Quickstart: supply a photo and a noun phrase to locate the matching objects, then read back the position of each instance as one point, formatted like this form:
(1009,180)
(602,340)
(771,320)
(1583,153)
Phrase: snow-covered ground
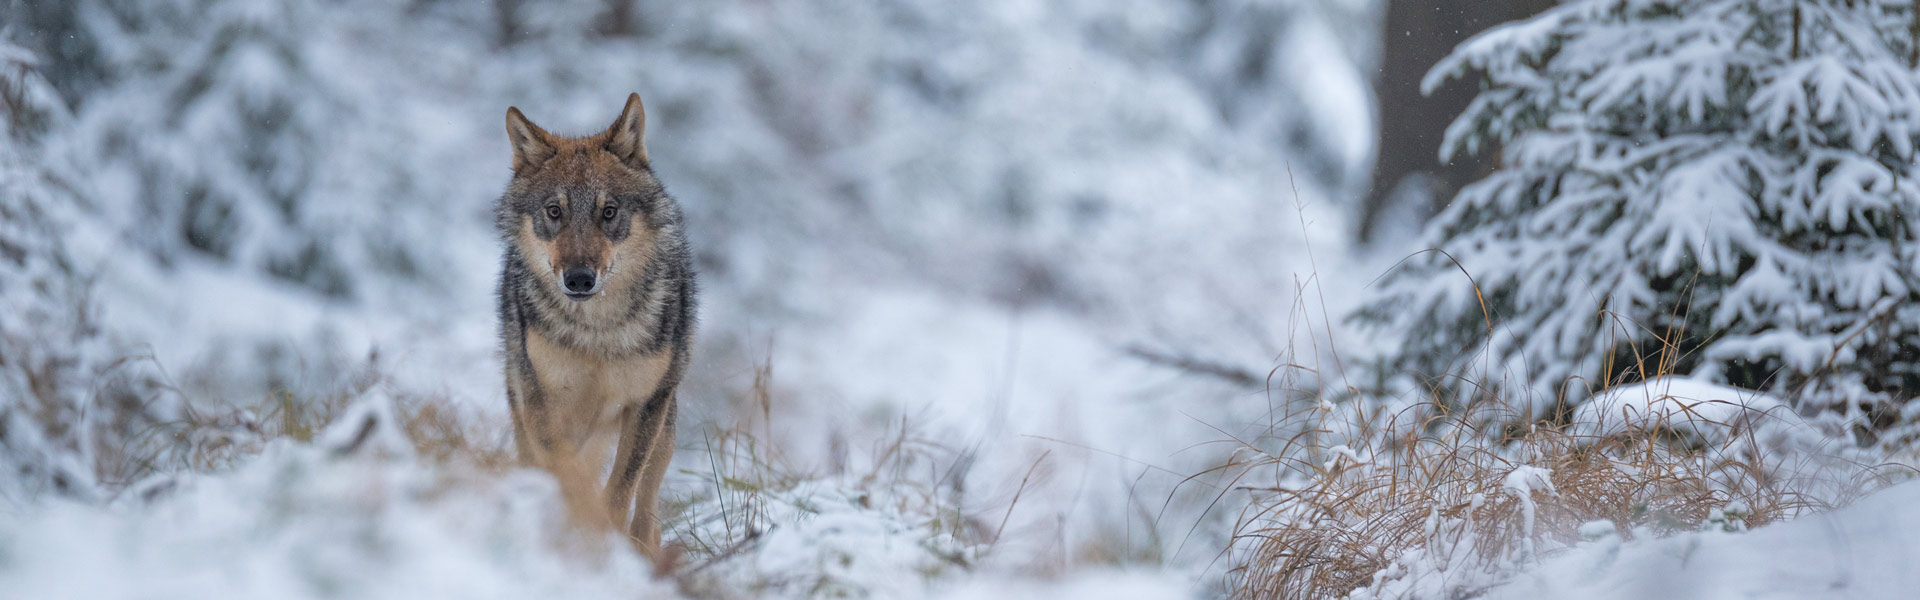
(371,520)
(1863,551)
(297,522)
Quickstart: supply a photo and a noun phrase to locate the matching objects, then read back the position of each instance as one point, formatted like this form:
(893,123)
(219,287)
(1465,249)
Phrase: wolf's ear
(627,138)
(531,144)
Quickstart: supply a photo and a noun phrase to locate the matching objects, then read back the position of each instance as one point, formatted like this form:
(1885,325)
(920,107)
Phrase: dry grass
(443,432)
(1356,510)
(203,439)
(436,430)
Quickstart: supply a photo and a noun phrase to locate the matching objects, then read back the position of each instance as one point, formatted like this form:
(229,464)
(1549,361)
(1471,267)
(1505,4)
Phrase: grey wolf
(596,303)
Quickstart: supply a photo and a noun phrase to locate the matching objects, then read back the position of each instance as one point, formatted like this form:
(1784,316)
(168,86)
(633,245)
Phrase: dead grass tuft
(443,432)
(209,439)
(1353,512)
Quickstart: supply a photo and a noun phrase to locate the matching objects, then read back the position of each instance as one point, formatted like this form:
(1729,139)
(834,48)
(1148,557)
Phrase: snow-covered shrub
(1721,188)
(74,410)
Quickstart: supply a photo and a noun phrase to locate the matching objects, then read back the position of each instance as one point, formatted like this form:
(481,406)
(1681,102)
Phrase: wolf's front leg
(523,448)
(646,447)
(646,507)
(626,468)
(526,401)
(639,432)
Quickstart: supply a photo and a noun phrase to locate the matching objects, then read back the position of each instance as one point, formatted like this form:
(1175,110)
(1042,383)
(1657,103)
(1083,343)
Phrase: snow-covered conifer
(1722,188)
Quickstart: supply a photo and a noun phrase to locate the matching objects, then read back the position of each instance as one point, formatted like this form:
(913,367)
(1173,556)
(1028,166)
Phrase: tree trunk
(1412,126)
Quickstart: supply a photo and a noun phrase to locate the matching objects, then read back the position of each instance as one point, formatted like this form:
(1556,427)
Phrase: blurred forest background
(999,287)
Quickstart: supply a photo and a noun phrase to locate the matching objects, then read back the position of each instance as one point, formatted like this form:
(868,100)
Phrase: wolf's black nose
(578,281)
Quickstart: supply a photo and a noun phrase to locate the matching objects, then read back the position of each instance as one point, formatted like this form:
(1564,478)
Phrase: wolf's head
(586,213)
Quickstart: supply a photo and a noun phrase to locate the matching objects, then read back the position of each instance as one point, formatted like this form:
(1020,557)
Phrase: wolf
(596,303)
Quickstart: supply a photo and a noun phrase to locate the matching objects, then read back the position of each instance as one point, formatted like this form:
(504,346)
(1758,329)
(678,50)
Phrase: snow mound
(1863,551)
(303,521)
(1113,584)
(1708,412)
(826,538)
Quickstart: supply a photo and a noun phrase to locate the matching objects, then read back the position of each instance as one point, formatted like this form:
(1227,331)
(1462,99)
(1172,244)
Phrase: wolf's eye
(553,211)
(608,213)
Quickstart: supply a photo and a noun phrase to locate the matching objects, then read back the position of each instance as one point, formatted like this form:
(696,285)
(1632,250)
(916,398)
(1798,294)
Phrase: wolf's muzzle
(580,284)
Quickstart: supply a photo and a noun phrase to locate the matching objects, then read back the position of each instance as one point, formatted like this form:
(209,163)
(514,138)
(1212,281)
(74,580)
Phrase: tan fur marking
(539,252)
(584,392)
(632,257)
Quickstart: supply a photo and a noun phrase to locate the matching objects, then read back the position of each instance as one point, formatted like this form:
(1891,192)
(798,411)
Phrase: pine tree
(1719,188)
(234,139)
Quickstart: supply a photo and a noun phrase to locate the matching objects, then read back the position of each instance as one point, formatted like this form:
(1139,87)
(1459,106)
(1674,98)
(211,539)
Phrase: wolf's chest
(584,390)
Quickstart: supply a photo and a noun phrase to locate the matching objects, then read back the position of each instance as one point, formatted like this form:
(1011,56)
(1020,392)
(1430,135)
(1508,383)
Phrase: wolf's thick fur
(596,308)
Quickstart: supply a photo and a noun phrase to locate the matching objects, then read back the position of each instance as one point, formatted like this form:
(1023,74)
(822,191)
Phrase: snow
(298,522)
(1710,412)
(1089,583)
(1859,552)
(1521,484)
